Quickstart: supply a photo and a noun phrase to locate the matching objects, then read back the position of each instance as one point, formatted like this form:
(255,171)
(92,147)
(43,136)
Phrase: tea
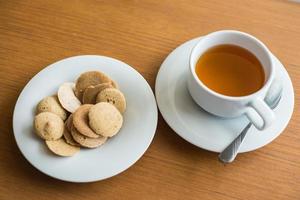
(230,70)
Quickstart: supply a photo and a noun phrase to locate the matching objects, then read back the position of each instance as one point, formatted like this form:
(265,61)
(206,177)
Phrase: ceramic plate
(119,152)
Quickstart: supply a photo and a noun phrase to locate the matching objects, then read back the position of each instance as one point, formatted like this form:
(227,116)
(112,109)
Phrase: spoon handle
(229,154)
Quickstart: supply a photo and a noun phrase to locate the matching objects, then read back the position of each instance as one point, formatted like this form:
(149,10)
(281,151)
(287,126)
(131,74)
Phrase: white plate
(202,129)
(119,152)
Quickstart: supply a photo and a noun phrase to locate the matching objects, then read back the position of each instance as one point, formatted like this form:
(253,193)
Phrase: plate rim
(51,65)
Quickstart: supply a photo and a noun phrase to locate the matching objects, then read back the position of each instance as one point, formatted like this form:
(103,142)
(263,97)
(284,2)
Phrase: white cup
(253,105)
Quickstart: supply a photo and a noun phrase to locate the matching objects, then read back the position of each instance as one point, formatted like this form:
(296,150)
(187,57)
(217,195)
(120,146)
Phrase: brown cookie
(51,104)
(81,121)
(91,92)
(69,122)
(86,141)
(90,78)
(61,148)
(48,126)
(67,98)
(105,119)
(114,97)
(114,84)
(67,132)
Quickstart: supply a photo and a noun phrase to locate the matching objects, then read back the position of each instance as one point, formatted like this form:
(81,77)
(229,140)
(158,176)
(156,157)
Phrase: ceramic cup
(253,105)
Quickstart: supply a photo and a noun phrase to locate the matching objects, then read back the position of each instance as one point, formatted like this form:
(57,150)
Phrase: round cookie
(81,121)
(91,92)
(67,132)
(48,126)
(105,119)
(61,148)
(89,78)
(51,104)
(67,98)
(86,141)
(114,97)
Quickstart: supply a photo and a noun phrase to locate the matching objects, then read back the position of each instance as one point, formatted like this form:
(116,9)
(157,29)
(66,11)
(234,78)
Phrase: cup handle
(263,116)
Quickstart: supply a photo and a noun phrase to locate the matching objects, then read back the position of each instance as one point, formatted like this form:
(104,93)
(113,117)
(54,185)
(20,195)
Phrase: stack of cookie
(84,114)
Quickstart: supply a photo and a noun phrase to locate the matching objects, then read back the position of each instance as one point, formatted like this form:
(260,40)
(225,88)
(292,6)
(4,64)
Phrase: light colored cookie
(48,126)
(114,97)
(86,141)
(69,139)
(61,148)
(67,98)
(91,92)
(67,132)
(81,121)
(105,119)
(51,104)
(89,78)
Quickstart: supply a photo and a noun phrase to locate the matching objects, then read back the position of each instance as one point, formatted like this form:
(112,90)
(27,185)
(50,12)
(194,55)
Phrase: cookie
(91,92)
(105,119)
(89,78)
(81,121)
(114,97)
(48,126)
(69,122)
(114,84)
(51,104)
(67,132)
(86,141)
(67,98)
(61,148)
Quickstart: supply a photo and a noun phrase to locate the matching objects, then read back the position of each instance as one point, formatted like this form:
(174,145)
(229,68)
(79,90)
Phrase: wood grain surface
(34,34)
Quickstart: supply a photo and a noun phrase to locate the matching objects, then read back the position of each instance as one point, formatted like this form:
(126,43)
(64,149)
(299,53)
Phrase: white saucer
(115,156)
(202,129)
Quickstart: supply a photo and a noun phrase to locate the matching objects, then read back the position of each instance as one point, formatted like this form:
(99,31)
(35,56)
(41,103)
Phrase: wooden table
(34,34)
